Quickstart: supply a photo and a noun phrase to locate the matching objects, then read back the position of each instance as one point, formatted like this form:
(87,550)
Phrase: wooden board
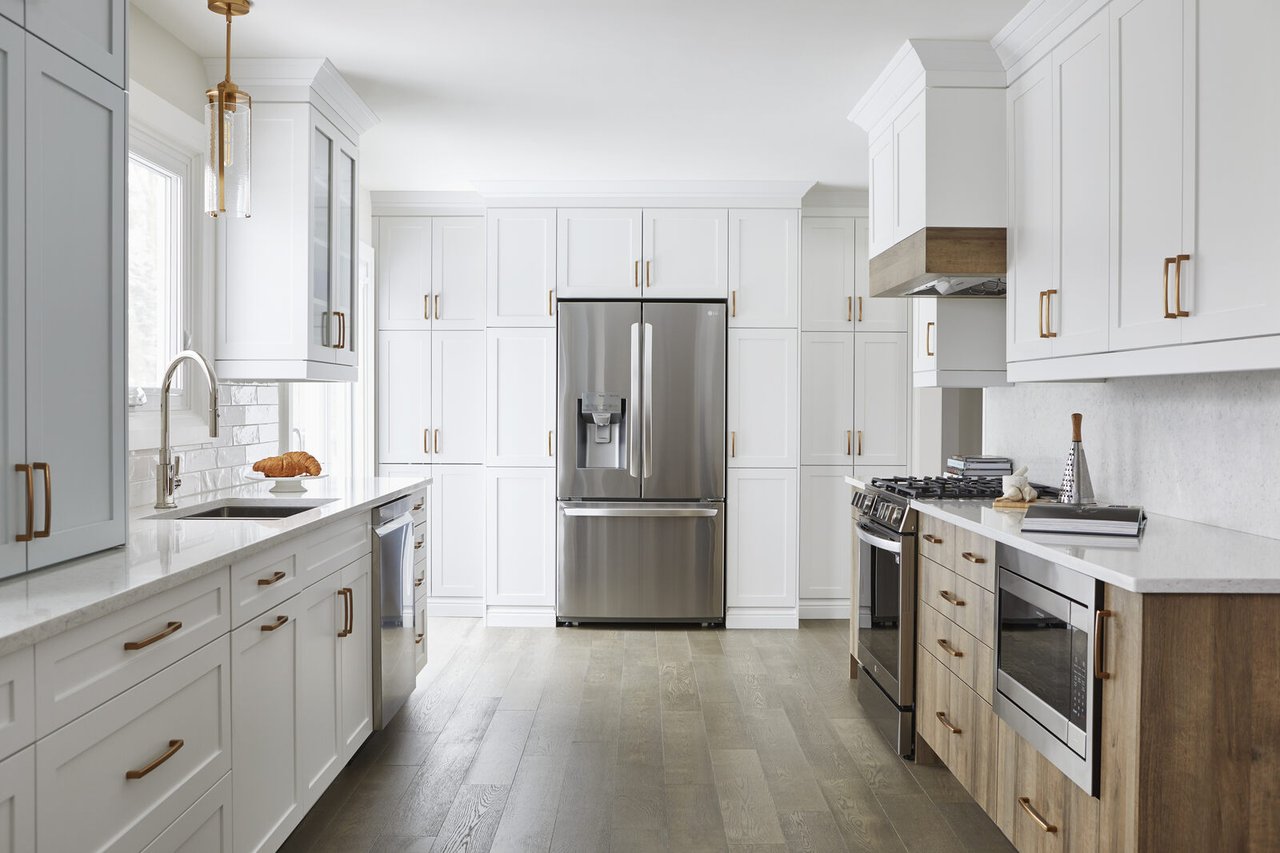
(1019,506)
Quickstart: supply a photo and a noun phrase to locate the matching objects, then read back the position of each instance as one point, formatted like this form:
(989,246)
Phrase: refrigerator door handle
(640,512)
(647,433)
(633,442)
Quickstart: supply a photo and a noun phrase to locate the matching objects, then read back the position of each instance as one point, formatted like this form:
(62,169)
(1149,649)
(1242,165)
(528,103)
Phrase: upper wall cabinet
(92,32)
(13,297)
(522,267)
(836,294)
(404,273)
(764,268)
(598,253)
(457,271)
(685,254)
(958,343)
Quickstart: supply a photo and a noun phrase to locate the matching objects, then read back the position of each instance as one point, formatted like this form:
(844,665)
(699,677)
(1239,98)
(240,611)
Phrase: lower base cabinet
(521,552)
(761,531)
(420,634)
(18,802)
(457,540)
(355,650)
(203,828)
(824,559)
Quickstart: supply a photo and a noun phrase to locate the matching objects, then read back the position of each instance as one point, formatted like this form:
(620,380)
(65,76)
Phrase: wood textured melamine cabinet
(404,397)
(18,802)
(93,32)
(521,530)
(521,397)
(824,536)
(522,267)
(458,272)
(686,254)
(827,398)
(355,653)
(761,508)
(598,253)
(881,424)
(405,286)
(457,532)
(13,296)
(764,268)
(764,398)
(458,397)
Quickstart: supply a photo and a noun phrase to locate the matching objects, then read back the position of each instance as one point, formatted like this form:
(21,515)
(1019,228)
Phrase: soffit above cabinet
(710,194)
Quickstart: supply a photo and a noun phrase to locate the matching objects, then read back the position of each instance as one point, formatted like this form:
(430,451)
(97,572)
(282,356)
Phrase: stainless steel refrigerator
(641,461)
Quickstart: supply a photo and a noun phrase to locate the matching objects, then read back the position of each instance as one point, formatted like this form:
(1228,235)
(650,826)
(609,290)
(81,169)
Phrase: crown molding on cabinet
(298,81)
(426,203)
(1037,28)
(739,194)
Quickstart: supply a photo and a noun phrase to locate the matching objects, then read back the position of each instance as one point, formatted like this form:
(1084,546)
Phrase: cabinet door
(13,10)
(761,511)
(404,397)
(419,635)
(686,254)
(824,533)
(870,313)
(1078,313)
(880,194)
(830,273)
(764,375)
(75,188)
(909,170)
(880,416)
(457,397)
(13,374)
(457,531)
(826,398)
(522,394)
(92,32)
(203,828)
(522,267)
(598,253)
(1154,129)
(764,268)
(521,555)
(322,323)
(18,802)
(1031,219)
(265,799)
(355,650)
(321,616)
(924,334)
(404,272)
(346,255)
(457,268)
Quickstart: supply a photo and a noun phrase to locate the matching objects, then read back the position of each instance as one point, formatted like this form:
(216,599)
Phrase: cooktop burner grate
(950,488)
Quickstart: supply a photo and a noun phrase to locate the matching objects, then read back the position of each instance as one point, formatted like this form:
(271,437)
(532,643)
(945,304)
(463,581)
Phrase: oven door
(887,629)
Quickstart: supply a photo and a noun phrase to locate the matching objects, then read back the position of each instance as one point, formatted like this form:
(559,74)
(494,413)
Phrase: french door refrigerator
(641,461)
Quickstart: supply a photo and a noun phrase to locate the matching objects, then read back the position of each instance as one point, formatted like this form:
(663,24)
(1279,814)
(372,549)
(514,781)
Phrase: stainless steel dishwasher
(394,675)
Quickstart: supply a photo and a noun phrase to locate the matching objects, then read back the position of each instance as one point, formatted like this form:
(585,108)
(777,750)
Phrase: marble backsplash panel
(1204,448)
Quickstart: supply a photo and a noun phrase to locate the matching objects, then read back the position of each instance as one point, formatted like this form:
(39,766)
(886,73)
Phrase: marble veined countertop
(1171,556)
(161,554)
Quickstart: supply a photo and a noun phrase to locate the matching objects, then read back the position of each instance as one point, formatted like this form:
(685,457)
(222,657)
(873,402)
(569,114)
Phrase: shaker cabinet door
(824,533)
(457,269)
(881,425)
(92,32)
(764,399)
(522,267)
(830,273)
(522,397)
(764,268)
(598,253)
(13,294)
(404,273)
(521,529)
(457,532)
(404,397)
(1031,218)
(826,398)
(761,549)
(458,397)
(686,254)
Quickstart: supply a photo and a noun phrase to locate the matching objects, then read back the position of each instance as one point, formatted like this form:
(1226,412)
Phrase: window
(157,325)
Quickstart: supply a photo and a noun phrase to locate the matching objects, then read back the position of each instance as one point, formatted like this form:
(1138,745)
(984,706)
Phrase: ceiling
(598,89)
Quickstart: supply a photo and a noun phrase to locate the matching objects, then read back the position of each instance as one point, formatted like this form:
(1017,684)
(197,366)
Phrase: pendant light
(226,173)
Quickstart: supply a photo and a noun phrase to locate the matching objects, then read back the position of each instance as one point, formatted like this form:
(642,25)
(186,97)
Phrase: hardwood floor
(607,739)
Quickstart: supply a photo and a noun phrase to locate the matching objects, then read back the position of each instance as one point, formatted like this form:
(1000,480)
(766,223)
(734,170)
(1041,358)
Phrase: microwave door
(1036,648)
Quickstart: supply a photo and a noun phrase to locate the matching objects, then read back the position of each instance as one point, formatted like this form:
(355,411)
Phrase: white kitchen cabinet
(880,192)
(13,374)
(320,617)
(829,274)
(75,300)
(958,343)
(865,473)
(457,537)
(761,547)
(924,334)
(13,10)
(826,398)
(909,169)
(457,271)
(404,273)
(764,268)
(404,397)
(685,253)
(598,253)
(420,635)
(522,397)
(764,399)
(93,32)
(355,651)
(203,828)
(521,530)
(458,397)
(18,802)
(18,714)
(872,314)
(522,267)
(824,534)
(1030,236)
(881,414)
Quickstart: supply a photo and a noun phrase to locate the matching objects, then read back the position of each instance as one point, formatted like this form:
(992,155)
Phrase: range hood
(942,262)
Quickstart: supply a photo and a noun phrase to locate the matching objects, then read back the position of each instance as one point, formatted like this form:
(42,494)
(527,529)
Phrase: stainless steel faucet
(167,480)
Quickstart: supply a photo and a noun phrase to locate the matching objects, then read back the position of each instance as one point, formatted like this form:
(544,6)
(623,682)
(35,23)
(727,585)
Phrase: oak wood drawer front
(17,701)
(978,615)
(937,541)
(975,558)
(331,548)
(932,627)
(203,828)
(932,692)
(938,588)
(1039,802)
(172,732)
(974,663)
(18,802)
(973,747)
(78,670)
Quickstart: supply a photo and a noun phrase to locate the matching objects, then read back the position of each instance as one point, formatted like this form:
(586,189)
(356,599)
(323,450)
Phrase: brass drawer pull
(1168,315)
(1177,286)
(637,273)
(1025,802)
(31,504)
(174,746)
(1098,671)
(346,595)
(417,582)
(426,306)
(437,306)
(928,337)
(435,441)
(279,623)
(45,531)
(648,273)
(1040,311)
(942,718)
(1048,314)
(848,442)
(859,309)
(859,442)
(418,641)
(950,649)
(426,440)
(134,645)
(551,311)
(275,578)
(419,505)
(419,542)
(950,597)
(932,540)
(549,454)
(849,310)
(734,300)
(973,558)
(733,444)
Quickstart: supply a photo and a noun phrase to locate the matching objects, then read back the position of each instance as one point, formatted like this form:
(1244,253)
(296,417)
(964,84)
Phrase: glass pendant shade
(227,165)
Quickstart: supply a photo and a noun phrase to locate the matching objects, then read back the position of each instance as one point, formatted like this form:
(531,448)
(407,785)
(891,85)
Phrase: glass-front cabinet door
(345,250)
(322,327)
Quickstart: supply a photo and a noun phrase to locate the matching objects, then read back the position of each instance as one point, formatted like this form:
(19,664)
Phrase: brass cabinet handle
(435,441)
(417,582)
(418,641)
(648,273)
(174,745)
(437,306)
(426,306)
(1168,315)
(928,331)
(419,542)
(950,597)
(734,299)
(549,442)
(859,309)
(1040,313)
(45,531)
(134,645)
(973,558)
(342,330)
(848,442)
(932,540)
(942,718)
(733,444)
(551,310)
(859,442)
(1098,671)
(637,276)
(31,504)
(950,649)
(276,577)
(1048,314)
(419,505)
(848,310)
(1025,802)
(345,594)
(1177,286)
(280,620)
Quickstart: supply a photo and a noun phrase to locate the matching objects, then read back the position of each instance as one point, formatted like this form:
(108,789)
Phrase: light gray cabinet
(13,374)
(92,32)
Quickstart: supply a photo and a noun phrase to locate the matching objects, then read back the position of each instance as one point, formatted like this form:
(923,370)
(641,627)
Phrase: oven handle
(879,541)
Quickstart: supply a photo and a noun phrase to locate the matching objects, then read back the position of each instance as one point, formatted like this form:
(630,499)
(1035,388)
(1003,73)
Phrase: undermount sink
(241,509)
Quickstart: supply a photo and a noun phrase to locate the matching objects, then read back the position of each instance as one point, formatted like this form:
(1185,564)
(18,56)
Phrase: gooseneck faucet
(167,480)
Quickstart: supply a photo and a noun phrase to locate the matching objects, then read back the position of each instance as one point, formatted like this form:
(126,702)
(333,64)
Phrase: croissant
(295,463)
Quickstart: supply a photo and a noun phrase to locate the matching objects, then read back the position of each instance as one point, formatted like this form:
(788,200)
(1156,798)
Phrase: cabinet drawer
(78,670)
(18,802)
(421,508)
(420,634)
(938,588)
(17,701)
(973,745)
(937,541)
(933,685)
(975,558)
(978,613)
(174,729)
(974,662)
(931,627)
(203,828)
(333,547)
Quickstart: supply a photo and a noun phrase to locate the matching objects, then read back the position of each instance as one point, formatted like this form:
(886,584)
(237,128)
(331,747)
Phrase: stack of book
(1086,520)
(979,466)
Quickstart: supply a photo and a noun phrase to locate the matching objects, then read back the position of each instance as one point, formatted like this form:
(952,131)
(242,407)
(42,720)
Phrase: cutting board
(1017,506)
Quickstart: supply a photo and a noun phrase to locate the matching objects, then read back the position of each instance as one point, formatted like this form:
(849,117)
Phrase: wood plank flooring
(611,740)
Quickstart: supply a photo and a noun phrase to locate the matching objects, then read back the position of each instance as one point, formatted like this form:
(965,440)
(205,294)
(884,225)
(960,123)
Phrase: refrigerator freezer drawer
(645,562)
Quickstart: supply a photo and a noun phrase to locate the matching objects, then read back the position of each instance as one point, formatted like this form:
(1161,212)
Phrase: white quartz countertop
(161,554)
(1171,556)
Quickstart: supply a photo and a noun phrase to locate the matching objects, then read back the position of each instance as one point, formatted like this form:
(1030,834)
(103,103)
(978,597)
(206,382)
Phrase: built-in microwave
(1047,661)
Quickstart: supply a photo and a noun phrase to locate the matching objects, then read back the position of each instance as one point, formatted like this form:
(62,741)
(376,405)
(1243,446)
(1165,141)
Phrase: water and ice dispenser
(602,430)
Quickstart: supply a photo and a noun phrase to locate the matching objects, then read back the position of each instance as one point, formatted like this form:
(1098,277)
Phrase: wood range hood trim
(932,253)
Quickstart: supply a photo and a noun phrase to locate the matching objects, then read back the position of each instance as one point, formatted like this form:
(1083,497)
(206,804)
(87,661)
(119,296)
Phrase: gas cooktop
(950,488)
